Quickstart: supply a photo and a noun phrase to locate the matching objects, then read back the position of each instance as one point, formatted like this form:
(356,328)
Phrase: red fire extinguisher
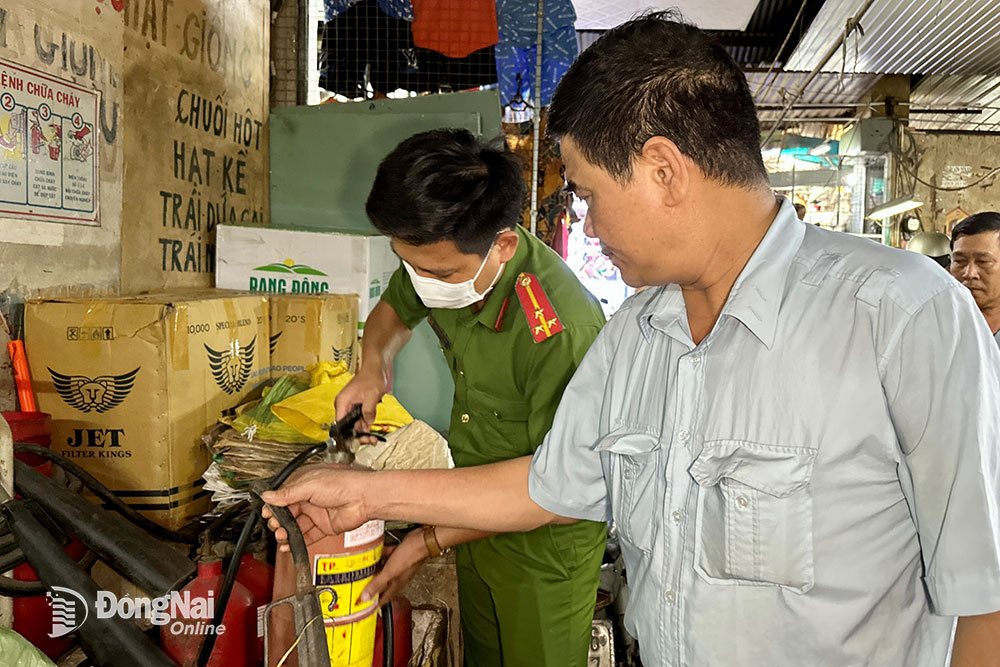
(402,630)
(191,618)
(258,577)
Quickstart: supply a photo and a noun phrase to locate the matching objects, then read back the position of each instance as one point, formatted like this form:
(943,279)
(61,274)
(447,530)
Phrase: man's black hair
(977,223)
(447,185)
(656,76)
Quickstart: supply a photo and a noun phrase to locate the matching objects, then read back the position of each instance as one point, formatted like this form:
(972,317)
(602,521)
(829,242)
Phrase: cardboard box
(132,383)
(280,261)
(306,329)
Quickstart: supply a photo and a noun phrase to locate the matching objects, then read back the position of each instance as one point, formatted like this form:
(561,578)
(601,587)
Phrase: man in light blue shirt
(796,433)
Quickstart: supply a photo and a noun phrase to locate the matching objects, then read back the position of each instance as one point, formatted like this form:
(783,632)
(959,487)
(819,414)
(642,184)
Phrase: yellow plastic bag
(313,410)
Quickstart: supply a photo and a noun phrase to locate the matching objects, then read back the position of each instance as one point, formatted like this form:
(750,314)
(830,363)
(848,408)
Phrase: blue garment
(515,52)
(816,482)
(518,19)
(516,65)
(333,8)
(397,9)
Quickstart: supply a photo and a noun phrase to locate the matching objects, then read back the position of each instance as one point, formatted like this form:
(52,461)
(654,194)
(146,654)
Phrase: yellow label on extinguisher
(352,644)
(350,625)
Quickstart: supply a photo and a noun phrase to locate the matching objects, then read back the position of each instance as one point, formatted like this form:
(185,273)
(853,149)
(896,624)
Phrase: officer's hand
(325,500)
(367,389)
(402,563)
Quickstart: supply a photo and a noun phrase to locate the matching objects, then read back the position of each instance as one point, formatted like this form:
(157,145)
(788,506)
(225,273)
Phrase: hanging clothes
(397,9)
(363,45)
(454,28)
(518,19)
(516,50)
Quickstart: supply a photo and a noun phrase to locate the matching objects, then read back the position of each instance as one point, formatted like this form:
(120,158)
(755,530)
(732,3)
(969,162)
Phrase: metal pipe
(302,55)
(851,25)
(536,121)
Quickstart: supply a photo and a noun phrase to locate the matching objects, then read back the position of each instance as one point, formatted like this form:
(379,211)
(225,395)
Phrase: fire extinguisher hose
(297,543)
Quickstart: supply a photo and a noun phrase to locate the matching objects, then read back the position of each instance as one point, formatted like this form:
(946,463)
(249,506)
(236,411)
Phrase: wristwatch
(433,546)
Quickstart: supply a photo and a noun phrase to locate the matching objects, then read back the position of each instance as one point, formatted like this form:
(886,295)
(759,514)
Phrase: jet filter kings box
(132,383)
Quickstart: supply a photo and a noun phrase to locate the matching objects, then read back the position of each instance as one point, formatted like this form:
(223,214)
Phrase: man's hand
(403,562)
(976,641)
(325,499)
(366,389)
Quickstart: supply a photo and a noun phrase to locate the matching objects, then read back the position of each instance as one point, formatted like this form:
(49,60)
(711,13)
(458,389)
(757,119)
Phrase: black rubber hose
(105,494)
(13,588)
(241,546)
(388,636)
(228,515)
(7,543)
(295,464)
(228,583)
(256,504)
(12,559)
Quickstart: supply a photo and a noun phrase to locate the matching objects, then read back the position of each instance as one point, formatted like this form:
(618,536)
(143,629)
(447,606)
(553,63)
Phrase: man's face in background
(975,262)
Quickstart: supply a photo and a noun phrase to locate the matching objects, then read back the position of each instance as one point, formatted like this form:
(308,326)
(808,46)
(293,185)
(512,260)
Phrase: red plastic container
(30,427)
(258,577)
(182,637)
(402,630)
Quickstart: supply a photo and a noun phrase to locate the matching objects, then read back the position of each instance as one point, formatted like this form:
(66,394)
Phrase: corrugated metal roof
(824,89)
(957,92)
(706,14)
(758,43)
(907,37)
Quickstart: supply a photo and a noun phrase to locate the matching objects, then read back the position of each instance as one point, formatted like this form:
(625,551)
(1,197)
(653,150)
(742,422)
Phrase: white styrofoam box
(280,261)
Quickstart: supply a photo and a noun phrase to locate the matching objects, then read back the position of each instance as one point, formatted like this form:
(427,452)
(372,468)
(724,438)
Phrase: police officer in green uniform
(514,323)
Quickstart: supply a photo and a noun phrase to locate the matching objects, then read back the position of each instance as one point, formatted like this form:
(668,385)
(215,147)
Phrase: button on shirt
(815,483)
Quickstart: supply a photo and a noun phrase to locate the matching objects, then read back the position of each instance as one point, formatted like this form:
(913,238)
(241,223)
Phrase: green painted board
(324,158)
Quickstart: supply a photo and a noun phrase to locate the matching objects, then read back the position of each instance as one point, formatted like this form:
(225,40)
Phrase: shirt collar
(665,313)
(501,292)
(755,299)
(756,295)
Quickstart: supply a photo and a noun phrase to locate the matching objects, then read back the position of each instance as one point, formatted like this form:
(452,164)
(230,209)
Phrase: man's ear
(506,244)
(669,169)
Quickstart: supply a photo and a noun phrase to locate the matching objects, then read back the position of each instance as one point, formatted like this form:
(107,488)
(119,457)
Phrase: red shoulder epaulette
(542,318)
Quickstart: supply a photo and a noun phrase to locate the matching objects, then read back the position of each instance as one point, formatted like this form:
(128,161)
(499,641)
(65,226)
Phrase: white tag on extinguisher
(364,534)
(260,620)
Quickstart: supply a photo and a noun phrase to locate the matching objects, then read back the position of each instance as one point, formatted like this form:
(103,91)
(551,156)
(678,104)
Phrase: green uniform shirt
(528,597)
(507,386)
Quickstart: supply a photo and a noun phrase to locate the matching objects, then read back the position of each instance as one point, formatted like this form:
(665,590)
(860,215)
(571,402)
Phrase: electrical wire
(908,160)
(777,55)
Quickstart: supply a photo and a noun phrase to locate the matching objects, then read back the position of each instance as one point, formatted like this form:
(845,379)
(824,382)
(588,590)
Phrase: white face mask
(439,294)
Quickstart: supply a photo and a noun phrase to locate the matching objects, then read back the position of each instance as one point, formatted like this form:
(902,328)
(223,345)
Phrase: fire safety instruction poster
(48,147)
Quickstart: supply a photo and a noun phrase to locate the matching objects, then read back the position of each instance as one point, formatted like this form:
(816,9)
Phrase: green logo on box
(289,266)
(282,284)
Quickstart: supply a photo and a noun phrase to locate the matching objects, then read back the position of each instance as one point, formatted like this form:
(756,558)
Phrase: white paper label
(260,620)
(369,532)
